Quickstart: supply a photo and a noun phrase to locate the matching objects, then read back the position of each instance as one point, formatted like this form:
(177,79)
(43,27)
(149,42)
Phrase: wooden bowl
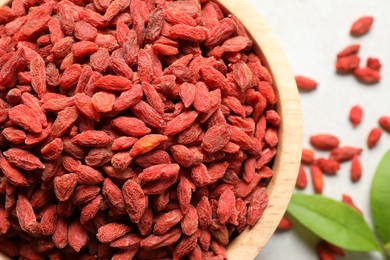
(250,242)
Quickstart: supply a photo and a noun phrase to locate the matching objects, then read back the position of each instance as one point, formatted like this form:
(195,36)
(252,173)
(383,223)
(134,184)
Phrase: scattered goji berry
(374,63)
(323,252)
(345,153)
(346,64)
(348,200)
(324,142)
(285,223)
(373,137)
(349,50)
(302,178)
(328,166)
(307,156)
(305,83)
(362,25)
(367,75)
(356,169)
(356,115)
(384,122)
(317,178)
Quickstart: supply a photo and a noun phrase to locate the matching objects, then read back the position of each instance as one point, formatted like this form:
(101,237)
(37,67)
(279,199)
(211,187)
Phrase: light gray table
(311,33)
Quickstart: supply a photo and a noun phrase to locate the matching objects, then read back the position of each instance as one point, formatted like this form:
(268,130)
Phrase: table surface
(311,33)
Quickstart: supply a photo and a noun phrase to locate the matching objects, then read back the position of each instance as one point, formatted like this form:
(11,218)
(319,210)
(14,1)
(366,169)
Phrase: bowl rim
(251,241)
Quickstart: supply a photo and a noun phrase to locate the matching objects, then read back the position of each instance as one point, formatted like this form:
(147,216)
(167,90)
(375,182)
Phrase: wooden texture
(248,244)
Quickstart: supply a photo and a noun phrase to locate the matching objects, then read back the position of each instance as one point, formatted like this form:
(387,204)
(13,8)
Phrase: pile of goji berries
(130,129)
(347,62)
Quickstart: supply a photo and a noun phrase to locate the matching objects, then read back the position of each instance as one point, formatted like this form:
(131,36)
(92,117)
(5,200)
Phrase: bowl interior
(250,242)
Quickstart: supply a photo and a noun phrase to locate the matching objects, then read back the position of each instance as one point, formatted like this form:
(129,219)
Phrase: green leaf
(333,221)
(387,250)
(387,247)
(380,199)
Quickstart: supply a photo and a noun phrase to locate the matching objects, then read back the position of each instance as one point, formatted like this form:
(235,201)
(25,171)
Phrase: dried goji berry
(328,166)
(384,122)
(285,223)
(307,156)
(111,231)
(356,168)
(367,75)
(344,153)
(257,206)
(317,178)
(64,186)
(23,159)
(302,178)
(362,25)
(135,200)
(347,64)
(77,235)
(324,141)
(226,205)
(356,115)
(374,63)
(373,137)
(305,83)
(323,252)
(349,50)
